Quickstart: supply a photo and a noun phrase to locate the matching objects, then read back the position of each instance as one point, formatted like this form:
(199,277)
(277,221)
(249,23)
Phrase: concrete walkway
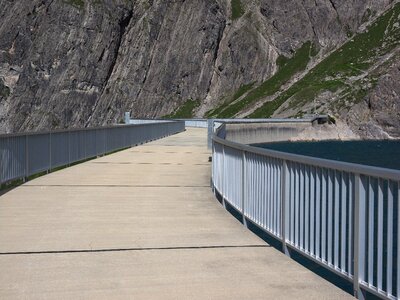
(139,224)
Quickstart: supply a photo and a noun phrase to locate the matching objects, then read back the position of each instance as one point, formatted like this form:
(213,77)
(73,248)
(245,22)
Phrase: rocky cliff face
(56,58)
(73,63)
(378,115)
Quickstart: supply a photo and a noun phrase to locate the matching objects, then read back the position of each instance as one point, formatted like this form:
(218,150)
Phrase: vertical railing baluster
(312,211)
(269,198)
(269,195)
(343,223)
(257,195)
(261,191)
(296,224)
(302,202)
(292,201)
(390,237)
(330,216)
(278,197)
(371,204)
(318,213)
(398,239)
(380,235)
(350,228)
(49,169)
(359,235)
(307,210)
(223,179)
(272,188)
(284,205)
(323,214)
(26,158)
(69,147)
(335,219)
(279,203)
(243,188)
(274,197)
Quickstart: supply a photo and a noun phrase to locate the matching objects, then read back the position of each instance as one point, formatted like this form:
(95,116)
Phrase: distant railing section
(23,155)
(213,124)
(197,123)
(147,121)
(343,216)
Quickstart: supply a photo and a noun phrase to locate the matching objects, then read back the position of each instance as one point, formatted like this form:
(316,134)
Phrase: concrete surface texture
(140,224)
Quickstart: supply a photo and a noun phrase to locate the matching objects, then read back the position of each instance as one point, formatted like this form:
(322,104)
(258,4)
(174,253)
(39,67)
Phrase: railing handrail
(336,214)
(272,121)
(391,174)
(25,154)
(79,129)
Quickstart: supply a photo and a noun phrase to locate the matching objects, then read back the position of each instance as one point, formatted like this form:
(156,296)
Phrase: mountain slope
(84,62)
(343,84)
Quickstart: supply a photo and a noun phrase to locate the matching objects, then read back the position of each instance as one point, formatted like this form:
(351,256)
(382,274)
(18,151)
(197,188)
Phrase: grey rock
(68,65)
(378,116)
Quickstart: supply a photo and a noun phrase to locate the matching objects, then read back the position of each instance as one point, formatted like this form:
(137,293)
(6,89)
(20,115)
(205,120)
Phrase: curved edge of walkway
(141,223)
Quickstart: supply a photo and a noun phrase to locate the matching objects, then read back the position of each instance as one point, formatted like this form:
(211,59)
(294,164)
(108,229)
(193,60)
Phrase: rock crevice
(65,65)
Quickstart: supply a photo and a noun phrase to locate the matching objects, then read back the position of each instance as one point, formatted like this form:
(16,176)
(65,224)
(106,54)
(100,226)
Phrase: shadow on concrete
(301,259)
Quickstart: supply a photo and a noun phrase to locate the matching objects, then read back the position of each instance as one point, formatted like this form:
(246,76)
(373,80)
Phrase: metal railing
(147,121)
(213,124)
(23,155)
(196,123)
(342,216)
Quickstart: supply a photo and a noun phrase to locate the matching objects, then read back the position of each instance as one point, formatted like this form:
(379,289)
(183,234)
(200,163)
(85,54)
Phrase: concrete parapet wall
(265,132)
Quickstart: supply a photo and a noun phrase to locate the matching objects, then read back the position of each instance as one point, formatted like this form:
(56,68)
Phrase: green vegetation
(242,90)
(288,68)
(76,3)
(352,59)
(185,111)
(237,9)
(239,93)
(4,90)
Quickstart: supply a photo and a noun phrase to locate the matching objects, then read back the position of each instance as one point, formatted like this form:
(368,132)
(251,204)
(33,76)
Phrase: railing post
(210,132)
(49,170)
(243,188)
(398,239)
(212,167)
(69,147)
(26,159)
(223,177)
(359,236)
(284,206)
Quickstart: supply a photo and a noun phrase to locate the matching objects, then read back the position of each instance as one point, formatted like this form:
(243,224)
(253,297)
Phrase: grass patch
(354,94)
(352,59)
(186,111)
(288,68)
(237,9)
(239,93)
(242,90)
(76,3)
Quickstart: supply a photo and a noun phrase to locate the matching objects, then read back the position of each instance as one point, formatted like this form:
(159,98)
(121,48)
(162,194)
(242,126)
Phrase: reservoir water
(382,153)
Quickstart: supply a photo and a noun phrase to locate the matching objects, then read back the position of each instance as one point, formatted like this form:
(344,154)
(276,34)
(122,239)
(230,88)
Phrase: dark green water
(384,154)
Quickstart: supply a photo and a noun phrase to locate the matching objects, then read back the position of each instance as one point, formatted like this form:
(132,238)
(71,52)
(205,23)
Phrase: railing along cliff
(23,155)
(342,216)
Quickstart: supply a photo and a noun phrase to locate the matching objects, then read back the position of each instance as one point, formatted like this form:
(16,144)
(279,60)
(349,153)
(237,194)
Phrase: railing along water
(23,155)
(342,216)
